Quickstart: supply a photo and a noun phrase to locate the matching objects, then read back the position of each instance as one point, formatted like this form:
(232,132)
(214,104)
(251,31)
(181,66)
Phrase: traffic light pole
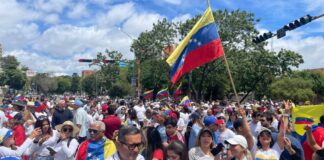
(282,31)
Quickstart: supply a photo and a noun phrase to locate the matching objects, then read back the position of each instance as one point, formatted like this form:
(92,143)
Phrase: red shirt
(112,124)
(19,135)
(318,134)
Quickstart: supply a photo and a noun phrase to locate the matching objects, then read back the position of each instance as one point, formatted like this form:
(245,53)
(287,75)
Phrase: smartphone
(217,149)
(51,149)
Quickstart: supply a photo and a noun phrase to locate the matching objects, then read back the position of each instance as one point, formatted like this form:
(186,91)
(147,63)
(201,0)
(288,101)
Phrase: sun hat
(237,140)
(68,123)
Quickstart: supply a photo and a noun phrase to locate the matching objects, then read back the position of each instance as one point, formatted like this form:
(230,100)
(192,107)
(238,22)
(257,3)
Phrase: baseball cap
(209,120)
(220,121)
(78,103)
(195,115)
(12,115)
(4,134)
(237,140)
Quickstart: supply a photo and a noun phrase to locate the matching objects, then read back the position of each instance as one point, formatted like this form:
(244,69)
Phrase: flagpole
(228,69)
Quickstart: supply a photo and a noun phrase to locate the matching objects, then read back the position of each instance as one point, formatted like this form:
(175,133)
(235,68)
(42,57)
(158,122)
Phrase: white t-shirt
(196,153)
(63,151)
(3,118)
(227,134)
(275,124)
(140,112)
(181,125)
(81,118)
(273,153)
(255,128)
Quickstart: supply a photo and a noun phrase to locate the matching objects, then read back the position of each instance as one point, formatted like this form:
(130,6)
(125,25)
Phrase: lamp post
(138,64)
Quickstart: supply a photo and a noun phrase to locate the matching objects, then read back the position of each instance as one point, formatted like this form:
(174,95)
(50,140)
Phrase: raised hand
(35,133)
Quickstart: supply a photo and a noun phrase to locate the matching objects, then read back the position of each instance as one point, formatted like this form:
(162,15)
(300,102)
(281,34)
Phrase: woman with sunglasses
(48,138)
(67,145)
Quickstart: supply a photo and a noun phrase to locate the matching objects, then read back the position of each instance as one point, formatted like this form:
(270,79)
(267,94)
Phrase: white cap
(237,140)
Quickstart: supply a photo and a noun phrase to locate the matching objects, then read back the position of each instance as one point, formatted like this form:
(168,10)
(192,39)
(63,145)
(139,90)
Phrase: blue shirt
(193,135)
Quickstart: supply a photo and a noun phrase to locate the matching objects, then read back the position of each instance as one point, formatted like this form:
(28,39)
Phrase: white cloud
(314,5)
(51,19)
(12,13)
(140,22)
(175,2)
(116,15)
(67,40)
(181,18)
(78,11)
(99,2)
(311,48)
(56,6)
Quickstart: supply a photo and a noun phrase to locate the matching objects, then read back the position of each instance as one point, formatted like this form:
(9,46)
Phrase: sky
(51,35)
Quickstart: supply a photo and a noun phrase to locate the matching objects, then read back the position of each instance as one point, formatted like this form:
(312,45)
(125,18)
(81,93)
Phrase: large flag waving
(304,115)
(200,46)
(185,102)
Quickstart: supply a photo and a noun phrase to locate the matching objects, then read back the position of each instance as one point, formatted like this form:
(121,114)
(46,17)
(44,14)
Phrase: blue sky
(51,35)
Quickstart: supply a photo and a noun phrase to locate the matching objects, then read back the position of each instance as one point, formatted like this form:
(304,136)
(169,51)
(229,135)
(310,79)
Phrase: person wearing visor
(238,148)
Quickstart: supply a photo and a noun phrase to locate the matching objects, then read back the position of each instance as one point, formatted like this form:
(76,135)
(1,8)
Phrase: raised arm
(246,129)
(283,127)
(310,138)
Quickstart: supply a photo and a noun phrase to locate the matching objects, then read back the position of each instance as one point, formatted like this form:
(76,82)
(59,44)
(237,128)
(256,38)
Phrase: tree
(63,84)
(9,62)
(16,79)
(292,88)
(75,83)
(88,84)
(317,79)
(45,84)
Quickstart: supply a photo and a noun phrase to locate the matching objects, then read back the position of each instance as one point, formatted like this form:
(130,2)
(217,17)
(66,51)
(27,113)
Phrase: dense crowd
(63,128)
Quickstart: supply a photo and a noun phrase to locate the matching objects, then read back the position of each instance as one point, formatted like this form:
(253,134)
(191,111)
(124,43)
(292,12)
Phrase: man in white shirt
(128,144)
(140,112)
(81,120)
(223,133)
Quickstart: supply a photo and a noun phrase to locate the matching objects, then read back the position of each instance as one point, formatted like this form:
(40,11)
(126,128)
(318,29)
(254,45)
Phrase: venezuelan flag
(96,150)
(163,93)
(148,94)
(200,46)
(303,115)
(185,102)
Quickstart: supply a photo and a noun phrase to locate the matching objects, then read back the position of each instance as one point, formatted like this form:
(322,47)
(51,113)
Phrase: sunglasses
(93,131)
(133,146)
(42,118)
(67,129)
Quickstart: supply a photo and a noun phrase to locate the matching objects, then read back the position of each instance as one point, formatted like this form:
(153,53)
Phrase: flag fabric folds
(200,46)
(163,93)
(148,94)
(96,150)
(303,115)
(185,102)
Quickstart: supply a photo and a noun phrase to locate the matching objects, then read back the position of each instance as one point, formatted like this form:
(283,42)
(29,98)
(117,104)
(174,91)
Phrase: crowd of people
(64,128)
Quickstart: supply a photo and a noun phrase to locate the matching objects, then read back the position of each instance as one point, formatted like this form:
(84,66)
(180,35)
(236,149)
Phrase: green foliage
(89,85)
(155,74)
(292,88)
(75,83)
(15,78)
(317,79)
(9,62)
(63,84)
(45,84)
(288,59)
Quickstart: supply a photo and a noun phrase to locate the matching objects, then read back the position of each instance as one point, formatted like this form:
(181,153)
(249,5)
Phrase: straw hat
(68,123)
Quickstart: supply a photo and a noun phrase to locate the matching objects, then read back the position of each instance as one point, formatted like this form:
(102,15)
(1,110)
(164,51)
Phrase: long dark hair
(154,142)
(39,124)
(179,148)
(259,145)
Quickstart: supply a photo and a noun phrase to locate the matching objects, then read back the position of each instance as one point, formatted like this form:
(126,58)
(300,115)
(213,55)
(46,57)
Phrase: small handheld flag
(163,93)
(148,94)
(185,102)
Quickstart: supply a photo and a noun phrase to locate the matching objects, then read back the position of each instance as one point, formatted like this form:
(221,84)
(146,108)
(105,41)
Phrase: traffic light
(108,61)
(263,37)
(297,23)
(85,60)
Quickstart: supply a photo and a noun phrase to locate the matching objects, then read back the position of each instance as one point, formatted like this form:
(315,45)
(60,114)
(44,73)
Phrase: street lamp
(138,89)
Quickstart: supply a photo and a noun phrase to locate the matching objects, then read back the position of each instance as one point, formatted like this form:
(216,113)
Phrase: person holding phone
(67,145)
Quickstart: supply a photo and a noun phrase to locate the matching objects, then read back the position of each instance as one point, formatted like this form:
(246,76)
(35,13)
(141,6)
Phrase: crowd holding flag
(200,46)
(185,102)
(148,94)
(163,93)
